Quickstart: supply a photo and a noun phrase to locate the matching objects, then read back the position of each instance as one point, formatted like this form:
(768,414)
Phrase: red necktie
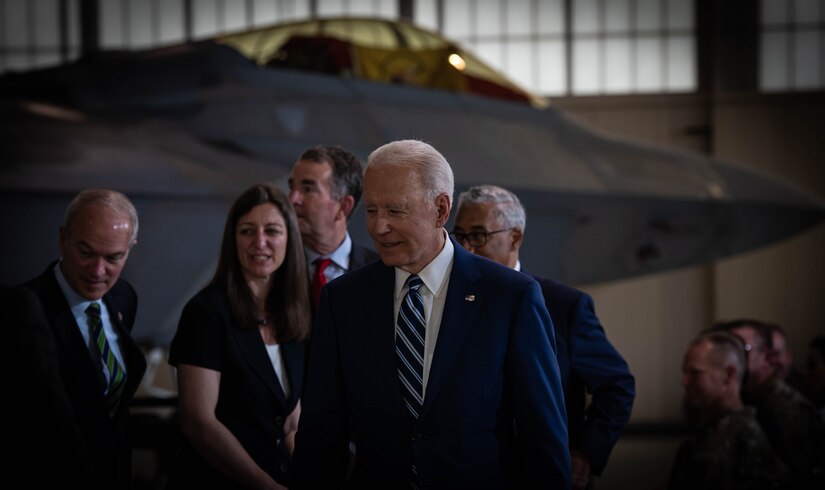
(319,279)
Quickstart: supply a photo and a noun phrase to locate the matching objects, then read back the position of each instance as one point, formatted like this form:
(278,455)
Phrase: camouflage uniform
(732,453)
(794,428)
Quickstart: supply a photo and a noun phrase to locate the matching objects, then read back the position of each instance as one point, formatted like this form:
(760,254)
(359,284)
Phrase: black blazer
(251,402)
(67,370)
(588,362)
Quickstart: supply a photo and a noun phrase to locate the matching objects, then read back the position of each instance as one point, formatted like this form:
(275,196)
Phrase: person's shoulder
(39,282)
(123,289)
(742,422)
(497,275)
(551,287)
(211,296)
(44,287)
(359,276)
(362,255)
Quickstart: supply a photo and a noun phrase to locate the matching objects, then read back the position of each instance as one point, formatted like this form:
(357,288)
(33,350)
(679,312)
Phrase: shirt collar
(518,266)
(76,302)
(434,274)
(339,256)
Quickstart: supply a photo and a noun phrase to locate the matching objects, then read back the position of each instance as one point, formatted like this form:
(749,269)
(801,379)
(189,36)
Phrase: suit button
(416,436)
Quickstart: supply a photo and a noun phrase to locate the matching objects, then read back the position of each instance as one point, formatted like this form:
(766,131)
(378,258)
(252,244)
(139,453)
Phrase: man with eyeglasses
(490,222)
(793,426)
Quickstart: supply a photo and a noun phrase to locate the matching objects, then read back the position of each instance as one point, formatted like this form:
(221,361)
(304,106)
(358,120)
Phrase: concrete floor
(640,462)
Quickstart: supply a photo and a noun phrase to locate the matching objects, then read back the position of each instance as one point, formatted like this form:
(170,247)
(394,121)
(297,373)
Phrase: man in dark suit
(439,364)
(325,187)
(490,222)
(72,332)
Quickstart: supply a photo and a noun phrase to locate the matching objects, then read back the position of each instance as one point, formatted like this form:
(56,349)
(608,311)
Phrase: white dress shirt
(436,278)
(339,257)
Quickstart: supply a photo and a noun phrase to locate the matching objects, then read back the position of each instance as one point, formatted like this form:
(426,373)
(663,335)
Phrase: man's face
(94,249)
(405,226)
(481,218)
(760,363)
(702,378)
(310,191)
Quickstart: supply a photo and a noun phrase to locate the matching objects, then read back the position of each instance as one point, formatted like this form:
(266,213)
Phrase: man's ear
(442,207)
(347,203)
(516,238)
(772,358)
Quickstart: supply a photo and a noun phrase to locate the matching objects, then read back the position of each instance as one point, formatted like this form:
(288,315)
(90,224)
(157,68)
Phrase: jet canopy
(379,50)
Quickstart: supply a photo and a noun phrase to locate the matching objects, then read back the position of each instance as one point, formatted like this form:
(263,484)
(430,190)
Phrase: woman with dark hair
(239,352)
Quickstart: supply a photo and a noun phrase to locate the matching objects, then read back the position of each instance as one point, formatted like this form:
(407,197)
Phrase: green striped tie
(116,375)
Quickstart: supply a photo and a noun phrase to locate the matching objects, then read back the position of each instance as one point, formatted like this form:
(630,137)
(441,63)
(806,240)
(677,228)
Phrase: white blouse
(274,352)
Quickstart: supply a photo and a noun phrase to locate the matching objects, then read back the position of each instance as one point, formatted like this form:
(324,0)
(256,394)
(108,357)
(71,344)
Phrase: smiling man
(324,188)
(81,365)
(438,364)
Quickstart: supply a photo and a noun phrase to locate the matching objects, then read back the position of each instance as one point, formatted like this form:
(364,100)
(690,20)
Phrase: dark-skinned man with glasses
(490,222)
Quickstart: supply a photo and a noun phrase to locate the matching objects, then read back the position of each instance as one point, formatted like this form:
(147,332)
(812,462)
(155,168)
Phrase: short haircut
(727,349)
(429,165)
(114,201)
(347,170)
(508,208)
(288,300)
(762,329)
(773,327)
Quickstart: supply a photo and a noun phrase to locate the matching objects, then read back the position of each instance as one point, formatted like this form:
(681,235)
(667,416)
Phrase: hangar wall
(652,318)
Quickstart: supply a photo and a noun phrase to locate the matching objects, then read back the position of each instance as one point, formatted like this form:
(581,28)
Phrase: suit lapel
(132,355)
(293,355)
(463,302)
(67,335)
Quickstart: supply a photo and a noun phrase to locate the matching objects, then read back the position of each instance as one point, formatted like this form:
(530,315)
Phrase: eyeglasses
(475,239)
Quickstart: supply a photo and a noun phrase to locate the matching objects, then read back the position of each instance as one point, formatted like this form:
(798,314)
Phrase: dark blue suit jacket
(588,362)
(493,413)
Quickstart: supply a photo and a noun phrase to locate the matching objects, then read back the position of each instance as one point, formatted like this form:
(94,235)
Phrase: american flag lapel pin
(470,297)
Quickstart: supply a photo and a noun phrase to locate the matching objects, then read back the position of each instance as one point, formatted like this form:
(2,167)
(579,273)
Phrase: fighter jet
(185,129)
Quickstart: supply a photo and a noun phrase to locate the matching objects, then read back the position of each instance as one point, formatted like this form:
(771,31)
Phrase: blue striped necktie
(115,375)
(409,347)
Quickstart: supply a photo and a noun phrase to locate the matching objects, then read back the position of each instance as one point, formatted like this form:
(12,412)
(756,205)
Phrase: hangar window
(578,47)
(792,45)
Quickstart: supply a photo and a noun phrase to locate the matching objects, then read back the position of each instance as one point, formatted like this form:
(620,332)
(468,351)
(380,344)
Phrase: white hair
(429,165)
(508,208)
